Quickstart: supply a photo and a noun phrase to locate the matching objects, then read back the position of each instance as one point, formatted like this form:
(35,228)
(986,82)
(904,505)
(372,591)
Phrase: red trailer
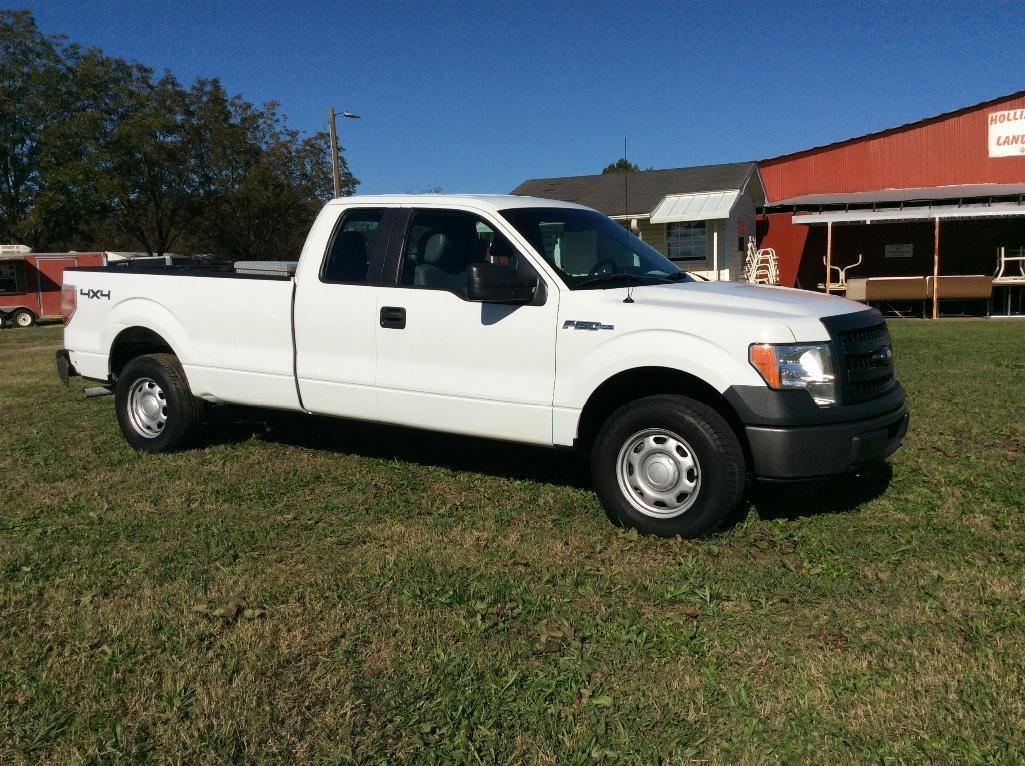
(30,284)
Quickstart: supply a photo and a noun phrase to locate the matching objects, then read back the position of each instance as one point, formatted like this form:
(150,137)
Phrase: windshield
(589,249)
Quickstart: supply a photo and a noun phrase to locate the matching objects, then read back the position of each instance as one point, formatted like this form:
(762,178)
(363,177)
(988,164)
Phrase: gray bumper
(806,452)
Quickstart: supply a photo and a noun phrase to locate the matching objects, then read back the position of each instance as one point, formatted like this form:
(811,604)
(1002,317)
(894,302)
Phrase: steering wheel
(599,267)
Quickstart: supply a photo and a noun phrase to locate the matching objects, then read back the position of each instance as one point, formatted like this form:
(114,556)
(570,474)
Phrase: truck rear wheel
(155,406)
(668,465)
(23,318)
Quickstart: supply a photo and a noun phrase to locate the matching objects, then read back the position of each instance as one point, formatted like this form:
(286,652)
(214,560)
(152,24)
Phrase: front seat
(442,266)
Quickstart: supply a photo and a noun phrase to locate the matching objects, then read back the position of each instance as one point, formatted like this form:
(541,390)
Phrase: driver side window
(441,244)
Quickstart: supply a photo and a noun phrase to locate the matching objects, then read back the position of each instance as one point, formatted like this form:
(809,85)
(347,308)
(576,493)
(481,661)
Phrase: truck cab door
(335,316)
(448,364)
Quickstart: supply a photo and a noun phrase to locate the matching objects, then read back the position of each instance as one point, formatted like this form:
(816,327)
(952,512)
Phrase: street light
(336,175)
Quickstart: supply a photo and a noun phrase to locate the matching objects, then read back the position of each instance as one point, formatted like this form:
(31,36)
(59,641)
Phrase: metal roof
(898,128)
(917,213)
(704,206)
(644,190)
(961,191)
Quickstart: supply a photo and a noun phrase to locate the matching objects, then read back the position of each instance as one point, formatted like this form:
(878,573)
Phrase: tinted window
(441,245)
(352,246)
(588,248)
(12,277)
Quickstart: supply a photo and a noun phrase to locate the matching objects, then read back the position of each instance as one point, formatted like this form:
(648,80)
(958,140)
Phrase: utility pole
(336,174)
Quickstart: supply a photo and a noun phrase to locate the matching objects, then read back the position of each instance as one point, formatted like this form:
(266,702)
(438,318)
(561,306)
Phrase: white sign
(1007,133)
(904,250)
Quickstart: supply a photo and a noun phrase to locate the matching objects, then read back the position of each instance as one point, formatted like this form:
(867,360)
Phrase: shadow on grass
(563,467)
(842,494)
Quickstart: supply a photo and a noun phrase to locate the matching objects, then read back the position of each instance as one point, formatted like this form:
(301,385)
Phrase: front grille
(864,360)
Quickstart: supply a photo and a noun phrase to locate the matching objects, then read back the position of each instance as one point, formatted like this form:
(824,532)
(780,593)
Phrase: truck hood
(800,310)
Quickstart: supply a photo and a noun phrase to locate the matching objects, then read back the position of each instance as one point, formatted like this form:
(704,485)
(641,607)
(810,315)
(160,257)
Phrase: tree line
(99,153)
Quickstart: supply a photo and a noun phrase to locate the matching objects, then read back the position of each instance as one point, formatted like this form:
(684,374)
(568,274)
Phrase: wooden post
(335,175)
(829,252)
(936,269)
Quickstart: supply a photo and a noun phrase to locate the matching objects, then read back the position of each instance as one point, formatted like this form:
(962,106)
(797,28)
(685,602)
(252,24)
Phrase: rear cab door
(335,310)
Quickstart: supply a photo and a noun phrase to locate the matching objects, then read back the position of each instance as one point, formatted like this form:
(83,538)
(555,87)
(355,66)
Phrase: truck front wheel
(155,406)
(668,465)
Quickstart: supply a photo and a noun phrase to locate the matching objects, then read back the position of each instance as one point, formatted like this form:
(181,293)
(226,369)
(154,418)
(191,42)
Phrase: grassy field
(296,592)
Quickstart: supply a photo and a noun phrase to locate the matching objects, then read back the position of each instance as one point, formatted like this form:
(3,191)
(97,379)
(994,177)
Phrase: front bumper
(789,440)
(808,452)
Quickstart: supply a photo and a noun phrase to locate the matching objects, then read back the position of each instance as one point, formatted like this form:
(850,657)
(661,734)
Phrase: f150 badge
(580,325)
(94,294)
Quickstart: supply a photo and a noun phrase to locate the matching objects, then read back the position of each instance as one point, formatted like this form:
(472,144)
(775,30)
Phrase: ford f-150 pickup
(511,318)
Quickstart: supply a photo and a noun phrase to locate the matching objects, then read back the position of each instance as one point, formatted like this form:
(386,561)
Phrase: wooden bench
(890,290)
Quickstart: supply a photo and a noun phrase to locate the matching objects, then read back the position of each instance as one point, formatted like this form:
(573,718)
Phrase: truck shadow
(563,467)
(843,494)
(560,467)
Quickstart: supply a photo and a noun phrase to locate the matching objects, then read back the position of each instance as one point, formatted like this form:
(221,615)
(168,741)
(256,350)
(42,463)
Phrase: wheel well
(631,385)
(134,342)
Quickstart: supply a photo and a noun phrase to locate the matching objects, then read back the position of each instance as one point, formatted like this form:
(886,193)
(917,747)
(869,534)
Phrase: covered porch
(959,255)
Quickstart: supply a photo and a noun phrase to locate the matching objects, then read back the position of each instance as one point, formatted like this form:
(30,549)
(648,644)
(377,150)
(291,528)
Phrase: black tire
(706,442)
(182,413)
(23,318)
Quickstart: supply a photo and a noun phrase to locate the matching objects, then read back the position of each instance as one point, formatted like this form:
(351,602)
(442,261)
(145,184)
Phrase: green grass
(294,592)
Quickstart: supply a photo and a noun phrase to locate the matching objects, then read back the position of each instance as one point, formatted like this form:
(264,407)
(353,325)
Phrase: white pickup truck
(512,318)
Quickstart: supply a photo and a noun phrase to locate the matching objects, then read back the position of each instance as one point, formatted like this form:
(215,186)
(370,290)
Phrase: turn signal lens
(69,302)
(763,359)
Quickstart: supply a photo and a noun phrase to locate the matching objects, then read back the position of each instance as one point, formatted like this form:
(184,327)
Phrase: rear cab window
(353,247)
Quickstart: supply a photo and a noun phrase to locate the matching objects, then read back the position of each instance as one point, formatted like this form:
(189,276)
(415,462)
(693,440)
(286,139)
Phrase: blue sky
(476,97)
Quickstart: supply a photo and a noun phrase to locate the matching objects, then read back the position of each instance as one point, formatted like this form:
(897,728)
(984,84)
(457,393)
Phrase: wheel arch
(133,342)
(638,382)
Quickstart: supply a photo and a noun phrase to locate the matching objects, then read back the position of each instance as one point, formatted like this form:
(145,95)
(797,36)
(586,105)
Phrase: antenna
(626,183)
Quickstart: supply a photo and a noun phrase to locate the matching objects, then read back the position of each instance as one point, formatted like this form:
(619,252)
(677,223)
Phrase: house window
(687,241)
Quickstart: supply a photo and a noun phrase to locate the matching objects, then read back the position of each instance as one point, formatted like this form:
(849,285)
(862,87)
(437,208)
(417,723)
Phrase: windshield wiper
(618,277)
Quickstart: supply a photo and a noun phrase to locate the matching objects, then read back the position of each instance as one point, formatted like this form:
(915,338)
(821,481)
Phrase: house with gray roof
(699,217)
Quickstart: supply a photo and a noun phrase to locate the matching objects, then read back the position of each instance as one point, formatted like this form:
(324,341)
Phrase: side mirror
(498,283)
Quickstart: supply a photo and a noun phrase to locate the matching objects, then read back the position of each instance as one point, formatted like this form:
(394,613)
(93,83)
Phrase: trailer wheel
(155,406)
(668,465)
(23,318)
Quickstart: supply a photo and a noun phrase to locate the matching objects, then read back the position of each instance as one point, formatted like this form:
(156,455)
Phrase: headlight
(799,365)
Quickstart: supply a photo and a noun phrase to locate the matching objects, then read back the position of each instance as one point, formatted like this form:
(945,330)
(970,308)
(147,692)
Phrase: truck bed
(232,331)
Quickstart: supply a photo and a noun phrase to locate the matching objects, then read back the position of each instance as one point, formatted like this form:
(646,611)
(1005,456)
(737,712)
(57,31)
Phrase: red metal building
(885,196)
(30,283)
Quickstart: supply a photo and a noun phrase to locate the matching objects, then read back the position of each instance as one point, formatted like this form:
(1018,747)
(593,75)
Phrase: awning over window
(703,206)
(919,213)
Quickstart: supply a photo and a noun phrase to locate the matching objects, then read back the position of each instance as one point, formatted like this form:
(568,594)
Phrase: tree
(99,152)
(34,89)
(622,165)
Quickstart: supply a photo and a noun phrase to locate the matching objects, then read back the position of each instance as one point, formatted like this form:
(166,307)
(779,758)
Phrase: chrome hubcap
(659,473)
(147,408)
(23,319)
